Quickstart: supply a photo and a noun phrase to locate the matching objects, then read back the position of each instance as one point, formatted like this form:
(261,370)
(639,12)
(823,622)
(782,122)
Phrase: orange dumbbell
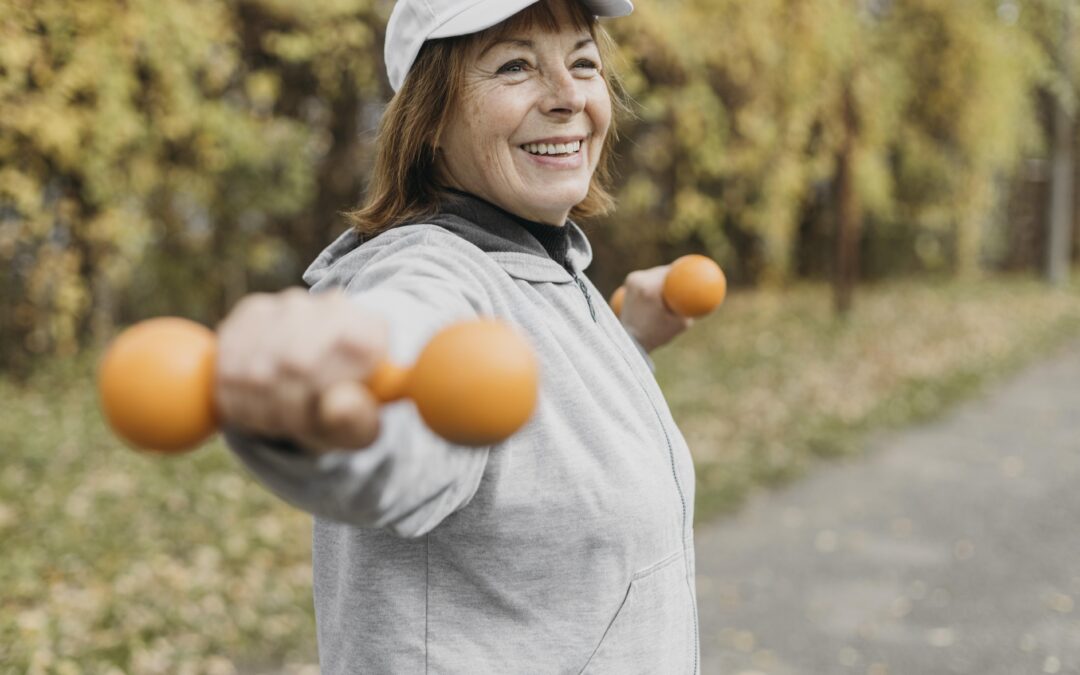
(693,287)
(475,383)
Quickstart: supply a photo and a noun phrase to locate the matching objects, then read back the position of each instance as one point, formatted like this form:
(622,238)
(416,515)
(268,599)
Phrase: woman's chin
(550,209)
(556,196)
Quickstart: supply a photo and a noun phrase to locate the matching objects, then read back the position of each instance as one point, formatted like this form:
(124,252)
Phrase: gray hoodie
(567,548)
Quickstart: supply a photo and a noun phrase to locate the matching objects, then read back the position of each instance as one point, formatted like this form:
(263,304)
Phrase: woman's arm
(408,479)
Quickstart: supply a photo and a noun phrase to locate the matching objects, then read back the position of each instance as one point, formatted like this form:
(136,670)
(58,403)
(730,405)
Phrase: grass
(114,562)
(772,382)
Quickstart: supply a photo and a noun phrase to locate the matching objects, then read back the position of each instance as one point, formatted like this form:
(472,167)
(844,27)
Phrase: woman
(567,548)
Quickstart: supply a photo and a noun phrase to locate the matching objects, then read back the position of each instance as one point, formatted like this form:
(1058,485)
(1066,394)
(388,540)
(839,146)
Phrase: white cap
(413,22)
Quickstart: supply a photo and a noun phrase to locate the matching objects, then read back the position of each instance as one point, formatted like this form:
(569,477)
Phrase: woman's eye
(586,63)
(515,66)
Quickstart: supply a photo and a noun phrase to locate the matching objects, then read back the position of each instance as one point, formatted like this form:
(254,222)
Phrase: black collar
(499,229)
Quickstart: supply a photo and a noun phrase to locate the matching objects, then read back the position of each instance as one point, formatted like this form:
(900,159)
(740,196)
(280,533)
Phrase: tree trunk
(1059,227)
(976,198)
(848,212)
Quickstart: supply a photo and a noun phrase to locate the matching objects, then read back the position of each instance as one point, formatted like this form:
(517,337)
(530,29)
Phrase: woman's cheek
(594,155)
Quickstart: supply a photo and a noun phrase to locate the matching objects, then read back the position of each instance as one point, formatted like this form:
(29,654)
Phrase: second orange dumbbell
(695,285)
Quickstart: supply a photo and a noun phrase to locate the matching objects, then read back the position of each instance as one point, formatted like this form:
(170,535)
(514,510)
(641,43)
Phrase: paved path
(951,548)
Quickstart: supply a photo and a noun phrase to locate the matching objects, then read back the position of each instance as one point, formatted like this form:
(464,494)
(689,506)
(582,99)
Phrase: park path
(948,548)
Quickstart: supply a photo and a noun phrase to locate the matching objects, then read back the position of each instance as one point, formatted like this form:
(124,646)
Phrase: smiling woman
(545,94)
(566,548)
(462,92)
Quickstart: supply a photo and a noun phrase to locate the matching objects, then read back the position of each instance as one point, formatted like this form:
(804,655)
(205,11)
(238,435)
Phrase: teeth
(552,148)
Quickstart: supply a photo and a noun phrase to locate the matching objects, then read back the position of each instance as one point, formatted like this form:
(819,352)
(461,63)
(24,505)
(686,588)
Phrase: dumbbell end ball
(475,383)
(695,285)
(155,384)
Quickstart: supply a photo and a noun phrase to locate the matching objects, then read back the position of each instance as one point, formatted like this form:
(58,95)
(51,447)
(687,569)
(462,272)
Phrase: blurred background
(887,183)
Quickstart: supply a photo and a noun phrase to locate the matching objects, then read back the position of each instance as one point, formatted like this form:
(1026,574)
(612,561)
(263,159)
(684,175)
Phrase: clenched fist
(292,365)
(645,314)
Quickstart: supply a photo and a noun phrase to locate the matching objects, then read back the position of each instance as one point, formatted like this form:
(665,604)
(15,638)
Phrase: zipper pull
(585,292)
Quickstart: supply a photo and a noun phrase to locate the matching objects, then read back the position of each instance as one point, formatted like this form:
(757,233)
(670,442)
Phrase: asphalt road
(948,548)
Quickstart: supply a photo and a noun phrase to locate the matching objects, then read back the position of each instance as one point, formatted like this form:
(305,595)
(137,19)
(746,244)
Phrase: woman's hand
(644,313)
(292,365)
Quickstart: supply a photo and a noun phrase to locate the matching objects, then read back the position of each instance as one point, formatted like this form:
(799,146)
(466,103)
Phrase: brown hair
(404,183)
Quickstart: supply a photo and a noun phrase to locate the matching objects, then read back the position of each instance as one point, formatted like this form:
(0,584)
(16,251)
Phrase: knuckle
(258,379)
(248,364)
(294,298)
(256,303)
(251,377)
(357,347)
(297,361)
(231,373)
(332,297)
(226,379)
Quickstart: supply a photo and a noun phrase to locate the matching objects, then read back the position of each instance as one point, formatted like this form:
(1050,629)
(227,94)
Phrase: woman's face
(528,130)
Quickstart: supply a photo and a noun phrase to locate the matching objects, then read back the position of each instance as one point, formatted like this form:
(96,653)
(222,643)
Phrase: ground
(947,548)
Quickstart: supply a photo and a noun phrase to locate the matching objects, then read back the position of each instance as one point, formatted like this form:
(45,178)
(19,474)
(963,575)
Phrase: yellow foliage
(133,129)
(756,94)
(163,155)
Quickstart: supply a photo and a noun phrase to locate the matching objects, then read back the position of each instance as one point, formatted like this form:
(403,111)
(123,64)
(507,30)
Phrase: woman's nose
(565,94)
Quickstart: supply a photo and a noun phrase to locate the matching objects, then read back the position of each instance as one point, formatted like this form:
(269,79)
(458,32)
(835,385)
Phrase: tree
(1060,225)
(157,157)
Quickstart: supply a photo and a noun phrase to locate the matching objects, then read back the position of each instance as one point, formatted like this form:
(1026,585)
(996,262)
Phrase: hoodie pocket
(653,629)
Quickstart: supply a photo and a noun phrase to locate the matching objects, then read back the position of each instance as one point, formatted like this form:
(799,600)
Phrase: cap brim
(487,13)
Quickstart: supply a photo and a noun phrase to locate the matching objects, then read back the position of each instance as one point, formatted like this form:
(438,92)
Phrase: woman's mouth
(552,149)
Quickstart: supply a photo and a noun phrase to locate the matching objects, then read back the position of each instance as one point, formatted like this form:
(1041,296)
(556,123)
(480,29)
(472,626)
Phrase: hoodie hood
(525,249)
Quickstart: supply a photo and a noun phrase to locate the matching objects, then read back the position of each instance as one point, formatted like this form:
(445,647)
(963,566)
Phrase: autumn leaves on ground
(116,562)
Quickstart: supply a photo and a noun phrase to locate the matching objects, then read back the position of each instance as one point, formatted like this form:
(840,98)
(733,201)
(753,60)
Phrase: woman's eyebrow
(529,44)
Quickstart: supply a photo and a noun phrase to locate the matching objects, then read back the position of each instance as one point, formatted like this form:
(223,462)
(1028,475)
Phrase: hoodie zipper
(584,291)
(667,439)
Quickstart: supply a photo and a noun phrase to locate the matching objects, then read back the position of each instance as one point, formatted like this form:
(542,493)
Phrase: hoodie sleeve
(410,479)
